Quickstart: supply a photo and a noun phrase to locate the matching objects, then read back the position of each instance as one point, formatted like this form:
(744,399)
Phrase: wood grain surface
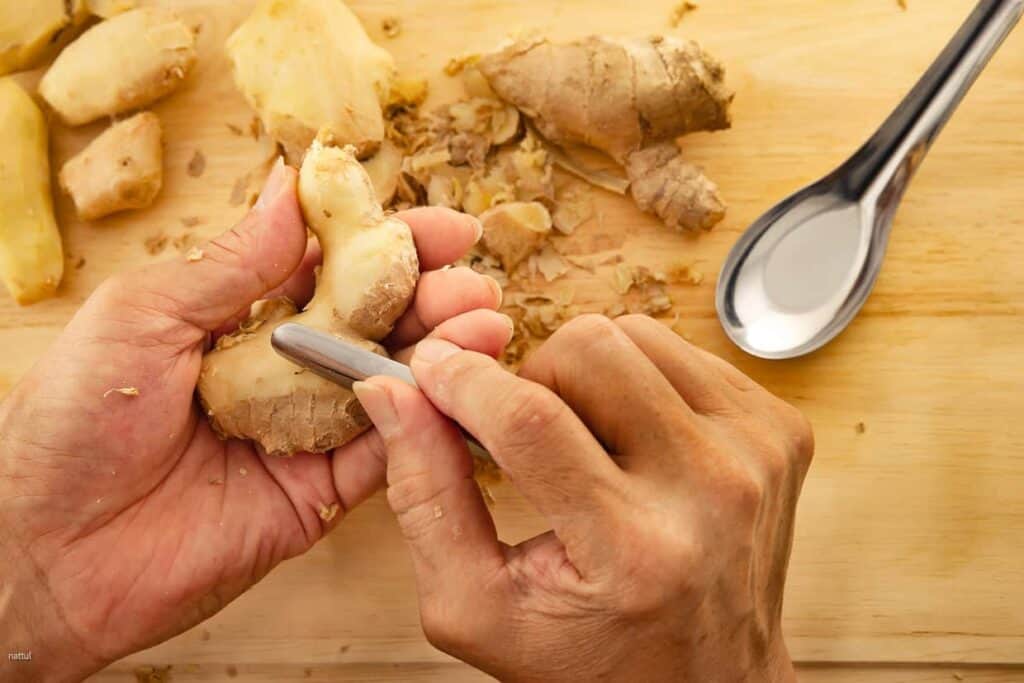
(908,562)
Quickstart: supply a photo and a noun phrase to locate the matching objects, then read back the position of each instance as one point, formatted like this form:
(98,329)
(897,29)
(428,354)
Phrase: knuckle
(799,431)
(662,568)
(634,321)
(585,329)
(743,493)
(110,293)
(532,412)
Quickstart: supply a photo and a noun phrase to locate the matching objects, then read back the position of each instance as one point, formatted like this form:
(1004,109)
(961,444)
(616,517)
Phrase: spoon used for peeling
(801,272)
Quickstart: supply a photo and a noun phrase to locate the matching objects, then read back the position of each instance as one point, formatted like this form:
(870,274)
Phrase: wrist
(35,642)
(780,667)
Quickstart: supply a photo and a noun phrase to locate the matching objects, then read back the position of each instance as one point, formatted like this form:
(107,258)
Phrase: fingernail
(511,325)
(272,186)
(431,351)
(377,403)
(478,228)
(496,288)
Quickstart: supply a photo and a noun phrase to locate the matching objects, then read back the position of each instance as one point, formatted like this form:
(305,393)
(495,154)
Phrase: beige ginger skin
(367,280)
(623,96)
(121,169)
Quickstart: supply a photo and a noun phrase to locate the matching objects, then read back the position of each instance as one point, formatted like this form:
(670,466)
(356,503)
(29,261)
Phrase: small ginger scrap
(455,65)
(514,230)
(121,169)
(197,164)
(679,11)
(152,674)
(124,391)
(238,190)
(329,512)
(194,254)
(391,26)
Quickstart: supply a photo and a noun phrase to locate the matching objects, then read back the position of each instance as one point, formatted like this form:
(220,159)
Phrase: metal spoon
(802,271)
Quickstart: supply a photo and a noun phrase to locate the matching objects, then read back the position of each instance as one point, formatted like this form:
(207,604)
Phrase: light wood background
(908,563)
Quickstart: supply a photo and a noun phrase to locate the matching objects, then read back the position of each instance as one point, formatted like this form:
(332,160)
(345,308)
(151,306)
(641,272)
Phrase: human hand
(670,481)
(123,519)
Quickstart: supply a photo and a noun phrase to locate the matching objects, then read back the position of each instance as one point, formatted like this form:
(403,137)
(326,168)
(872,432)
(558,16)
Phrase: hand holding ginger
(102,445)
(670,499)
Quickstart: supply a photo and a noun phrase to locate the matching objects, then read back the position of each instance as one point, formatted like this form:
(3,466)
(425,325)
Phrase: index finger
(546,451)
(442,235)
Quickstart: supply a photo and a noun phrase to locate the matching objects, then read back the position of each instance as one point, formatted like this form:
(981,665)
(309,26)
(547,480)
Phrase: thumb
(225,276)
(432,492)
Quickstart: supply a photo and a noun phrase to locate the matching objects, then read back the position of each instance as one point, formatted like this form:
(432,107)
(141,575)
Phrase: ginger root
(31,31)
(121,169)
(622,97)
(108,8)
(120,64)
(31,257)
(308,64)
(367,279)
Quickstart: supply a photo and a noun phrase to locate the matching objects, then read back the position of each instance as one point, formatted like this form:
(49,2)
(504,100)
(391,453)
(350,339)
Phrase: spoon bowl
(801,273)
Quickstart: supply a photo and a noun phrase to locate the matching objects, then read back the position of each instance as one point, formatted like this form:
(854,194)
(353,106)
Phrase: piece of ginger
(118,65)
(621,97)
(31,255)
(514,230)
(109,8)
(308,64)
(31,31)
(678,192)
(616,95)
(366,282)
(121,169)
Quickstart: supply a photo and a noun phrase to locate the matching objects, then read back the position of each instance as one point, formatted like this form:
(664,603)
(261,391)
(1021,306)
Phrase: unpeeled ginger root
(623,96)
(31,256)
(121,64)
(304,65)
(367,280)
(121,169)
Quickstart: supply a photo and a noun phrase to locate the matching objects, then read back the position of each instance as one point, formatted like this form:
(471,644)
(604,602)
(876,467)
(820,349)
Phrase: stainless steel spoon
(802,271)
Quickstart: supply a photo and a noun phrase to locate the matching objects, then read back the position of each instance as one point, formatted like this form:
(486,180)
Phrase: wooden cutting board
(910,531)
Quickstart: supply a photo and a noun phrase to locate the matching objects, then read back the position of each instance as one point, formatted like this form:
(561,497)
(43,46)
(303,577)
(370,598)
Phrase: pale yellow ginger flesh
(622,96)
(31,257)
(514,230)
(109,8)
(31,29)
(367,280)
(121,169)
(384,168)
(304,65)
(121,64)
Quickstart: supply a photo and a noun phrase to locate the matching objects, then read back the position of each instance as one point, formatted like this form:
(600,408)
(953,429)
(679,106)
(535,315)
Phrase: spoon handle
(885,164)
